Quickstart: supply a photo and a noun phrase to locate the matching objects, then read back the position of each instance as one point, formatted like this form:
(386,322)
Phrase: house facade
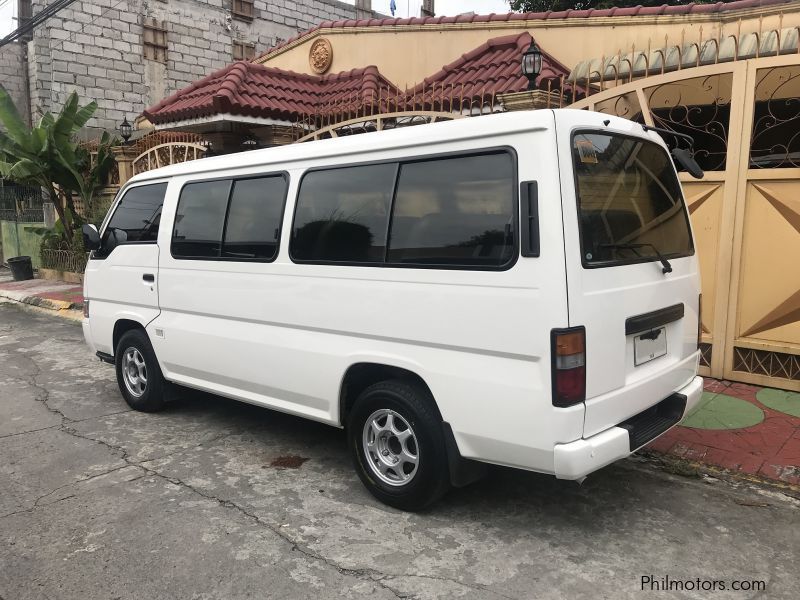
(129,55)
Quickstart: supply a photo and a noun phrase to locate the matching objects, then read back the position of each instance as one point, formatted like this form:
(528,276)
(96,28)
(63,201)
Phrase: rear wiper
(666,267)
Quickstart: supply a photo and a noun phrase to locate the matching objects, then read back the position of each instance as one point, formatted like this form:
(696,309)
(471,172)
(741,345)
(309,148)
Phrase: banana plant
(47,155)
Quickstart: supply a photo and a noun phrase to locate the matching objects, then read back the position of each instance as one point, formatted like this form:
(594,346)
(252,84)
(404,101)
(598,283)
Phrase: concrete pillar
(529,100)
(49,214)
(363,9)
(124,156)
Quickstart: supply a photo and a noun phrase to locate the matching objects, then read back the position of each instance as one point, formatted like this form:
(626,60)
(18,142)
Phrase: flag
(392,6)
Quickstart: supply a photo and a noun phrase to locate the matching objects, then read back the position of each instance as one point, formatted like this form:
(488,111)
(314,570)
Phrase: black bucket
(21,267)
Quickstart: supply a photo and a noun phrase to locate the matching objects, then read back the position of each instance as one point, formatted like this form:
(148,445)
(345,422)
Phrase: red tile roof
(257,91)
(490,69)
(249,89)
(640,11)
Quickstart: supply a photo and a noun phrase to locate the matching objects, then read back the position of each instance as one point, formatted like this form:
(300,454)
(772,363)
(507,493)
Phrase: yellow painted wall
(407,54)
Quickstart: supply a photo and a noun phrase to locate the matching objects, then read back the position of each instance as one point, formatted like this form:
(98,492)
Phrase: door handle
(149,278)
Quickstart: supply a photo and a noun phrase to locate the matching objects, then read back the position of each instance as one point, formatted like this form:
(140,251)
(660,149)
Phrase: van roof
(435,133)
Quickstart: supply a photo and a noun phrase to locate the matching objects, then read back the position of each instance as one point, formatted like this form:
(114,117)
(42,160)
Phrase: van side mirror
(91,237)
(112,237)
(684,158)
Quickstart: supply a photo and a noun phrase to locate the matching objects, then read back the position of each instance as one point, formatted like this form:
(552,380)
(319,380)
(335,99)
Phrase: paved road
(216,499)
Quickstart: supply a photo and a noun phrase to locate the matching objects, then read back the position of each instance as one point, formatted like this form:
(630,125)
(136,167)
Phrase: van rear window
(630,205)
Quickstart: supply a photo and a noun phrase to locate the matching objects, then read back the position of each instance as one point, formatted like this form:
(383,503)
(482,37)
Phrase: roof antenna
(606,122)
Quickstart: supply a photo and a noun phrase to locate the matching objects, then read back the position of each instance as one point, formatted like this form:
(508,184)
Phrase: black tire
(415,405)
(152,394)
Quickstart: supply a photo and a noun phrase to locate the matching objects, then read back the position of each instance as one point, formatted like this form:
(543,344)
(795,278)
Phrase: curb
(47,303)
(690,468)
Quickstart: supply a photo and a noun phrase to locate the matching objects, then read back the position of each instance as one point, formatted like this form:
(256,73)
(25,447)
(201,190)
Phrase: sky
(7,13)
(407,8)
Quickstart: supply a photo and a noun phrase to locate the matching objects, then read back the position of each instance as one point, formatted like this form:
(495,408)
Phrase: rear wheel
(396,441)
(138,374)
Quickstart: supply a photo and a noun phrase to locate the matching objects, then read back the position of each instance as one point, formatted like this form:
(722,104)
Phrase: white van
(519,289)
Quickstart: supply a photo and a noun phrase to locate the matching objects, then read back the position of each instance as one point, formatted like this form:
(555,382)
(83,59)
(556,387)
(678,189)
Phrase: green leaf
(38,140)
(68,164)
(9,115)
(83,115)
(63,128)
(46,121)
(24,171)
(10,148)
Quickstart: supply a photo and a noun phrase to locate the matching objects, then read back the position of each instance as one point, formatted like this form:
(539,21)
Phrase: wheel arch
(360,375)
(121,327)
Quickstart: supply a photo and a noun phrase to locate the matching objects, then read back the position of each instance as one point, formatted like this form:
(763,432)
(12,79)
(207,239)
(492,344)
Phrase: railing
(388,102)
(157,138)
(167,154)
(64,260)
(21,204)
(34,215)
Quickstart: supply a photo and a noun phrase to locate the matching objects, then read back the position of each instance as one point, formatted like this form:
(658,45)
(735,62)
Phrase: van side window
(254,218)
(342,214)
(138,213)
(454,212)
(199,219)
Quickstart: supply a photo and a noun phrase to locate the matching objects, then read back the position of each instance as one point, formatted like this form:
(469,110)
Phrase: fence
(20,204)
(388,101)
(63,259)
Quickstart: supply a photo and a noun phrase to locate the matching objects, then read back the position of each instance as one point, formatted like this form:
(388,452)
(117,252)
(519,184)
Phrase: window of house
(243,50)
(199,219)
(455,212)
(154,39)
(242,9)
(138,214)
(342,214)
(254,220)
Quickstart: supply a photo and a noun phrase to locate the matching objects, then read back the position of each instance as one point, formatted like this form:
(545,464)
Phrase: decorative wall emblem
(320,56)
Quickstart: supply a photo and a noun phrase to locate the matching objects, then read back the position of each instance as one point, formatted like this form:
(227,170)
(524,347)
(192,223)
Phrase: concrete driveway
(216,499)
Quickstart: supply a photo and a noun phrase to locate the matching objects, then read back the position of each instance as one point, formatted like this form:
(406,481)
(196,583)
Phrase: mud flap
(463,471)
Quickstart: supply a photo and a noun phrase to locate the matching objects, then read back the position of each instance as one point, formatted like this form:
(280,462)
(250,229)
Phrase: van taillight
(569,365)
(86,309)
(699,320)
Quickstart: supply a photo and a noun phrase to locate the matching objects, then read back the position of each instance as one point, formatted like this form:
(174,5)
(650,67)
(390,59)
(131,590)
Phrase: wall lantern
(532,64)
(125,129)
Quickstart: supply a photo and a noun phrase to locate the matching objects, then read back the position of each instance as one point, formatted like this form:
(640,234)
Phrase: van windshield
(630,204)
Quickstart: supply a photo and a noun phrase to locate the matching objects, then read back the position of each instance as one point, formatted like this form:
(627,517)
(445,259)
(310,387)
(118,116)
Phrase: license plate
(649,345)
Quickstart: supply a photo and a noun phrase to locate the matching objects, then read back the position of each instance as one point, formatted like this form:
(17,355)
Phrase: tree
(558,5)
(48,156)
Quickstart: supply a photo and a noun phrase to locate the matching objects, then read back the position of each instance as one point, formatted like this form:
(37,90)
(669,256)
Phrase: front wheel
(138,374)
(396,441)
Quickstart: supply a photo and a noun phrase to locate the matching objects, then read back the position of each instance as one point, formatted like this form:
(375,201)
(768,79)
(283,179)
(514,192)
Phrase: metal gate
(745,118)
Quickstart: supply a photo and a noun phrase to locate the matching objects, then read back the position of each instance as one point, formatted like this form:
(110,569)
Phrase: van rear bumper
(577,459)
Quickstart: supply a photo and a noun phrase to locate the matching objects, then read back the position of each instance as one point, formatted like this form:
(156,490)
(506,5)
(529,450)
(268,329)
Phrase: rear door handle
(149,278)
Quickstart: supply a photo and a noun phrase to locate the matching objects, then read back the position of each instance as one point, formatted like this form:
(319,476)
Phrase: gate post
(124,156)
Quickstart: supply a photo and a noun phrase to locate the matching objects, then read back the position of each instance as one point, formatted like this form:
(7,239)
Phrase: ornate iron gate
(167,154)
(745,118)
